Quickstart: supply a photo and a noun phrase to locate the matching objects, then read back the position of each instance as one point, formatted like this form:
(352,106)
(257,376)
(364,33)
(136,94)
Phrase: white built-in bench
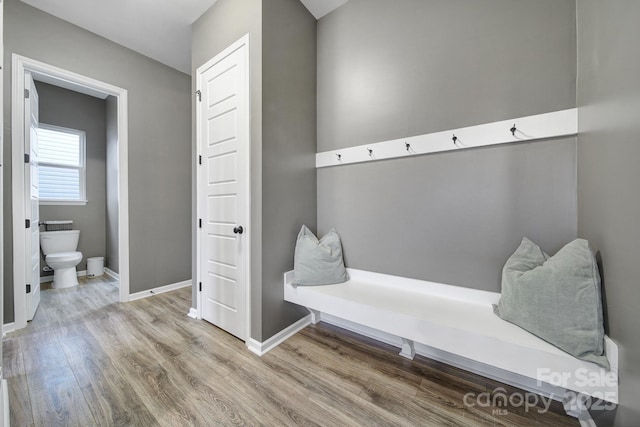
(457,326)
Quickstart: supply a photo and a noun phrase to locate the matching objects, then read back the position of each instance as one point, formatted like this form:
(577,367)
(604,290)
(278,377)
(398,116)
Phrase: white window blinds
(61,155)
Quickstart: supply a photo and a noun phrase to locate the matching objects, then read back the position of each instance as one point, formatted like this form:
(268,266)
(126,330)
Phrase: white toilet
(59,248)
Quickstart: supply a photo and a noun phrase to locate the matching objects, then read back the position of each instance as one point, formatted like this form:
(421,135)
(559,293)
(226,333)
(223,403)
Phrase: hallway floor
(89,360)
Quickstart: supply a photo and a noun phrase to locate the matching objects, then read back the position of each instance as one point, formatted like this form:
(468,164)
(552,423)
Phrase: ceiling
(319,8)
(159,29)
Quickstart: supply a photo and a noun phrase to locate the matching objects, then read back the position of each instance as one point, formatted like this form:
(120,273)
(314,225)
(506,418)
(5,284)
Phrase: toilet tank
(59,241)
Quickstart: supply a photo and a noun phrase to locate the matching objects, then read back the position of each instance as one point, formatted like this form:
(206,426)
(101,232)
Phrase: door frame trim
(79,83)
(244,40)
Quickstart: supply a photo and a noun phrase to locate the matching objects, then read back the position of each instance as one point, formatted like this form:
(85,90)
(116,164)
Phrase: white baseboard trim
(159,290)
(109,272)
(193,313)
(7,328)
(5,403)
(261,348)
(513,379)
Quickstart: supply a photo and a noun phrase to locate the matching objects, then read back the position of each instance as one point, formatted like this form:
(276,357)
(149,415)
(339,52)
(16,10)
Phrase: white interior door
(223,132)
(31,188)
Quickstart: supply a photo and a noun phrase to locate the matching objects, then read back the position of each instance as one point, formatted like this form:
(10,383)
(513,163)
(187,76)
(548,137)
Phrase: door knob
(238,229)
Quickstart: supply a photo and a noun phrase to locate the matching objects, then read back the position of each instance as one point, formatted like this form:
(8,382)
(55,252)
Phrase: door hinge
(200,286)
(27,223)
(199,95)
(199,160)
(26,93)
(28,288)
(199,222)
(27,158)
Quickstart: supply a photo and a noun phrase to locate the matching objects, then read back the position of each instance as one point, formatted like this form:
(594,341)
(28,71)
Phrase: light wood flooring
(87,360)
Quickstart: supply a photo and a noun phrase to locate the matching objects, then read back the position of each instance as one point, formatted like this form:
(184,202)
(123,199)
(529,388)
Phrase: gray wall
(452,218)
(392,69)
(65,108)
(283,137)
(609,176)
(159,140)
(112,261)
(288,149)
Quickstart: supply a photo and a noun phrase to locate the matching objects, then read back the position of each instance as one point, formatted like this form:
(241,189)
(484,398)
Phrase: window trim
(82,168)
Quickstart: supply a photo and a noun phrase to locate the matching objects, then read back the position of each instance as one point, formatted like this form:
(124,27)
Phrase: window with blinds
(61,158)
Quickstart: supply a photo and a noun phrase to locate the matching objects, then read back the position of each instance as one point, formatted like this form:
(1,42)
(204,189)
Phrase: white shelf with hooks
(542,126)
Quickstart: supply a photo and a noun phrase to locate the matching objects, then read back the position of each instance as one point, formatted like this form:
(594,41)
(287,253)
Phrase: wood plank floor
(87,360)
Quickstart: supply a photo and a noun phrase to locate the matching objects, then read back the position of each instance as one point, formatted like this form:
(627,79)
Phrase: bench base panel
(510,378)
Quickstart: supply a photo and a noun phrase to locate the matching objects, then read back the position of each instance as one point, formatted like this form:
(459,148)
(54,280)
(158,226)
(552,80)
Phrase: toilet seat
(64,257)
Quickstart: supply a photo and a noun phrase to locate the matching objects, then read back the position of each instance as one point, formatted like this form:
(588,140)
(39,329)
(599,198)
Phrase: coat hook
(370,151)
(339,156)
(407,145)
(513,130)
(455,140)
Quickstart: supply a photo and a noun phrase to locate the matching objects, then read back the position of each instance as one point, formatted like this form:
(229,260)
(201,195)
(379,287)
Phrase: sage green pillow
(318,262)
(556,298)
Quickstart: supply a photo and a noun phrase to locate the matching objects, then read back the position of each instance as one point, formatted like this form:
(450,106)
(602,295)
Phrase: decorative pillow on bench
(556,298)
(318,262)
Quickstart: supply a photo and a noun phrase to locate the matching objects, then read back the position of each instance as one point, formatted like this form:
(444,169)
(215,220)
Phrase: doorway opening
(21,68)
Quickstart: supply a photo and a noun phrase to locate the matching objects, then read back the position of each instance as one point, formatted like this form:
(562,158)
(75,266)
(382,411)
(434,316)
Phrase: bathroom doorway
(76,143)
(22,213)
